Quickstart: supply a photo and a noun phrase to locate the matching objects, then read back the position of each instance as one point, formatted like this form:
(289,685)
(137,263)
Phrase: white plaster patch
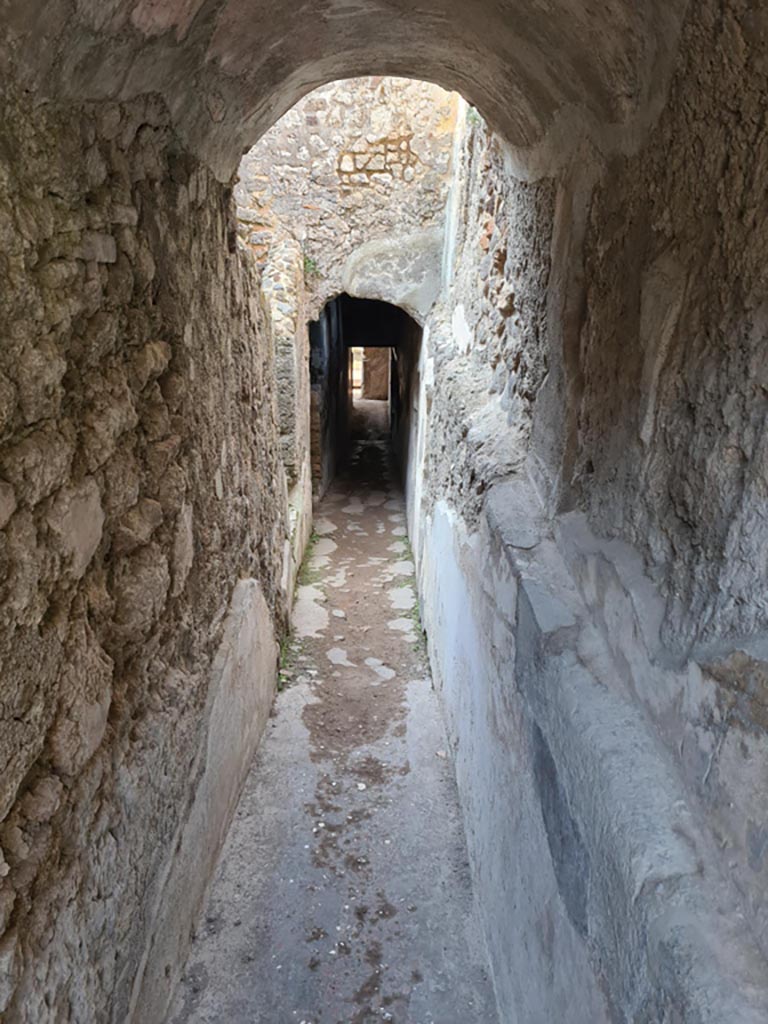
(309,616)
(402,598)
(338,656)
(339,613)
(461,332)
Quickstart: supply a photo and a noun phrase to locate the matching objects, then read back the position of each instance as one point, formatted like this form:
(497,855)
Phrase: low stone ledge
(563,774)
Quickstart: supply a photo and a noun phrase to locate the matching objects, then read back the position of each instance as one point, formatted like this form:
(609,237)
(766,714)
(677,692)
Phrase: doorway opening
(363,368)
(370,376)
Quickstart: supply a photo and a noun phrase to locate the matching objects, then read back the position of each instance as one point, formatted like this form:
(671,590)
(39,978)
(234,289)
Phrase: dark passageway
(342,412)
(343,893)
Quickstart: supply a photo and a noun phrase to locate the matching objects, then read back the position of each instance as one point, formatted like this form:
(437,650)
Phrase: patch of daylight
(325,546)
(402,598)
(400,625)
(403,568)
(324,526)
(338,579)
(338,656)
(382,671)
(309,616)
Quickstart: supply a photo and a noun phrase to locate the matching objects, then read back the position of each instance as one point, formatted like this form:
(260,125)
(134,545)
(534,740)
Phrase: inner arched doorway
(347,324)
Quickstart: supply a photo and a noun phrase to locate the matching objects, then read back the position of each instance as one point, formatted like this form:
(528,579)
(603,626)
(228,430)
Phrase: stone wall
(142,530)
(490,325)
(585,500)
(672,457)
(282,289)
(671,446)
(282,285)
(359,163)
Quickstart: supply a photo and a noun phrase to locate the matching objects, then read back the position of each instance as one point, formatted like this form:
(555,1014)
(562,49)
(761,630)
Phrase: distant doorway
(370,377)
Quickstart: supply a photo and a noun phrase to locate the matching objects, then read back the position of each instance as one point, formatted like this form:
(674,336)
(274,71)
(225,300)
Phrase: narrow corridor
(343,892)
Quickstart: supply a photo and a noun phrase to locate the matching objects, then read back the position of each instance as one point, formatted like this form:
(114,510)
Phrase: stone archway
(228,70)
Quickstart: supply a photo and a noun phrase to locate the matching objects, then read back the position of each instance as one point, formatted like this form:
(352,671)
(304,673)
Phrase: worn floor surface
(343,893)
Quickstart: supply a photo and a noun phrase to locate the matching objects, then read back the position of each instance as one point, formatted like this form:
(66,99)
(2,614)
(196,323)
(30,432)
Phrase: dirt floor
(343,893)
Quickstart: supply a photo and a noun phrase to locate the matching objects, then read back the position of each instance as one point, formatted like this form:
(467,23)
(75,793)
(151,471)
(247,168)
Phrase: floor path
(343,893)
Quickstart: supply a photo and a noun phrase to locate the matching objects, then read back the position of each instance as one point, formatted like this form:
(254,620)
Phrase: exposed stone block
(40,463)
(86,693)
(137,526)
(40,803)
(98,247)
(151,362)
(140,587)
(7,502)
(77,519)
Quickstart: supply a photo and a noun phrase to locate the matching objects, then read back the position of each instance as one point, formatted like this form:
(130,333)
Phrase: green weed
(311,268)
(307,574)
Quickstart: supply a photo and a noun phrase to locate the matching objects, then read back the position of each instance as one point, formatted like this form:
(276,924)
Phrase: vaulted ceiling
(545,73)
